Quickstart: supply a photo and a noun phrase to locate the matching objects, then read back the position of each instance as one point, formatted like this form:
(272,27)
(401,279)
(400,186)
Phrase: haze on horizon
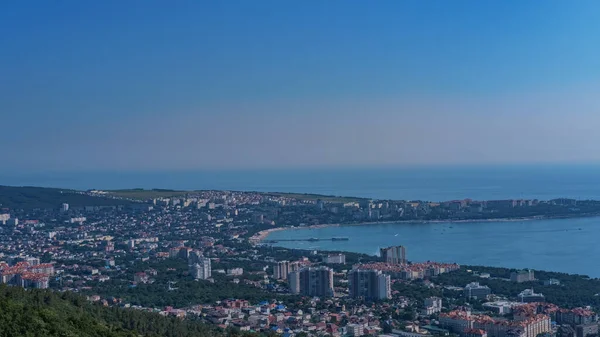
(113,85)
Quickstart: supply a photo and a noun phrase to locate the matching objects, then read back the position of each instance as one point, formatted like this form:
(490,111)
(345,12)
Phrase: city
(200,257)
(268,168)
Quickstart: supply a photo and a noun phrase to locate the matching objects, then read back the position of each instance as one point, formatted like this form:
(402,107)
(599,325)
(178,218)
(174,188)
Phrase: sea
(563,245)
(413,183)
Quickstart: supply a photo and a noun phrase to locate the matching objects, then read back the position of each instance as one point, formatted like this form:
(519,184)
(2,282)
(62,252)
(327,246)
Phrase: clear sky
(155,85)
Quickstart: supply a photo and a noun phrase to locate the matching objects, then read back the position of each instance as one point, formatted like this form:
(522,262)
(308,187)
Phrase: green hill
(142,194)
(47,313)
(27,197)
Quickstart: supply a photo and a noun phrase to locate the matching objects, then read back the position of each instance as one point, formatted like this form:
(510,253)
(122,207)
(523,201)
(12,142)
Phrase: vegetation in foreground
(47,313)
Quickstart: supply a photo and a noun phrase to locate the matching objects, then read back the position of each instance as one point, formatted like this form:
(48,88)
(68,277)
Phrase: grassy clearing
(328,198)
(142,194)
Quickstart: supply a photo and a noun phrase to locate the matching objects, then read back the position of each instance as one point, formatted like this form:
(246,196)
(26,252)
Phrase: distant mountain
(27,197)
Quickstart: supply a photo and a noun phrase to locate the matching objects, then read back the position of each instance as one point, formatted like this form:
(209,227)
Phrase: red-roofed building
(475,333)
(410,271)
(25,275)
(461,322)
(141,277)
(577,316)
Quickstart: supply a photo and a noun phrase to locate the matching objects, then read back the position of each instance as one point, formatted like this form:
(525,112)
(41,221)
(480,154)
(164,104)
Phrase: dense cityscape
(202,257)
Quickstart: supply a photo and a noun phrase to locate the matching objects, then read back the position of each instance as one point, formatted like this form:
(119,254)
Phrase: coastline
(262,235)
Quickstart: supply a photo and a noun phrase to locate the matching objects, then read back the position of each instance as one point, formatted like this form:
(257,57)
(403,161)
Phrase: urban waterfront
(562,245)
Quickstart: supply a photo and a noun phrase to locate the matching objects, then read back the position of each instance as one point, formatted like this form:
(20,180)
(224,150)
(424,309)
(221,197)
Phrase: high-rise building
(335,259)
(193,256)
(384,289)
(432,305)
(201,270)
(577,316)
(393,254)
(587,330)
(526,275)
(281,270)
(313,281)
(369,284)
(355,330)
(529,296)
(475,290)
(64,207)
(33,261)
(294,281)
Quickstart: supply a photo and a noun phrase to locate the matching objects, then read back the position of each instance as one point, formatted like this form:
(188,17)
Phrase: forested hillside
(47,313)
(50,198)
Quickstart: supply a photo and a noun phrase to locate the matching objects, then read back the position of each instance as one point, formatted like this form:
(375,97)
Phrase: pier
(309,240)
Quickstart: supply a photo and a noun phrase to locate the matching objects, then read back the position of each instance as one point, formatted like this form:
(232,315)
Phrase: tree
(45,313)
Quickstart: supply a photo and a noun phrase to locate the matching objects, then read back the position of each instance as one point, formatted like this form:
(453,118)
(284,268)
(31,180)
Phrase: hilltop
(314,197)
(145,194)
(28,197)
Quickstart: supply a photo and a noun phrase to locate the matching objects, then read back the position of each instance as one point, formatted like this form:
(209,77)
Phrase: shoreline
(264,234)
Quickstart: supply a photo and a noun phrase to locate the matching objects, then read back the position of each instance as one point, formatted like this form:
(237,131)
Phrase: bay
(562,245)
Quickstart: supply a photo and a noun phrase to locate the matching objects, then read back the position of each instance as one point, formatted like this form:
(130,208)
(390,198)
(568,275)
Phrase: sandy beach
(258,237)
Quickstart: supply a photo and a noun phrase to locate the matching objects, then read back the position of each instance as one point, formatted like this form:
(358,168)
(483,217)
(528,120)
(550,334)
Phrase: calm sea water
(435,184)
(564,245)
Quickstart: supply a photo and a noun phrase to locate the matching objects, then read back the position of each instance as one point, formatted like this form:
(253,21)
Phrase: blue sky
(154,85)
